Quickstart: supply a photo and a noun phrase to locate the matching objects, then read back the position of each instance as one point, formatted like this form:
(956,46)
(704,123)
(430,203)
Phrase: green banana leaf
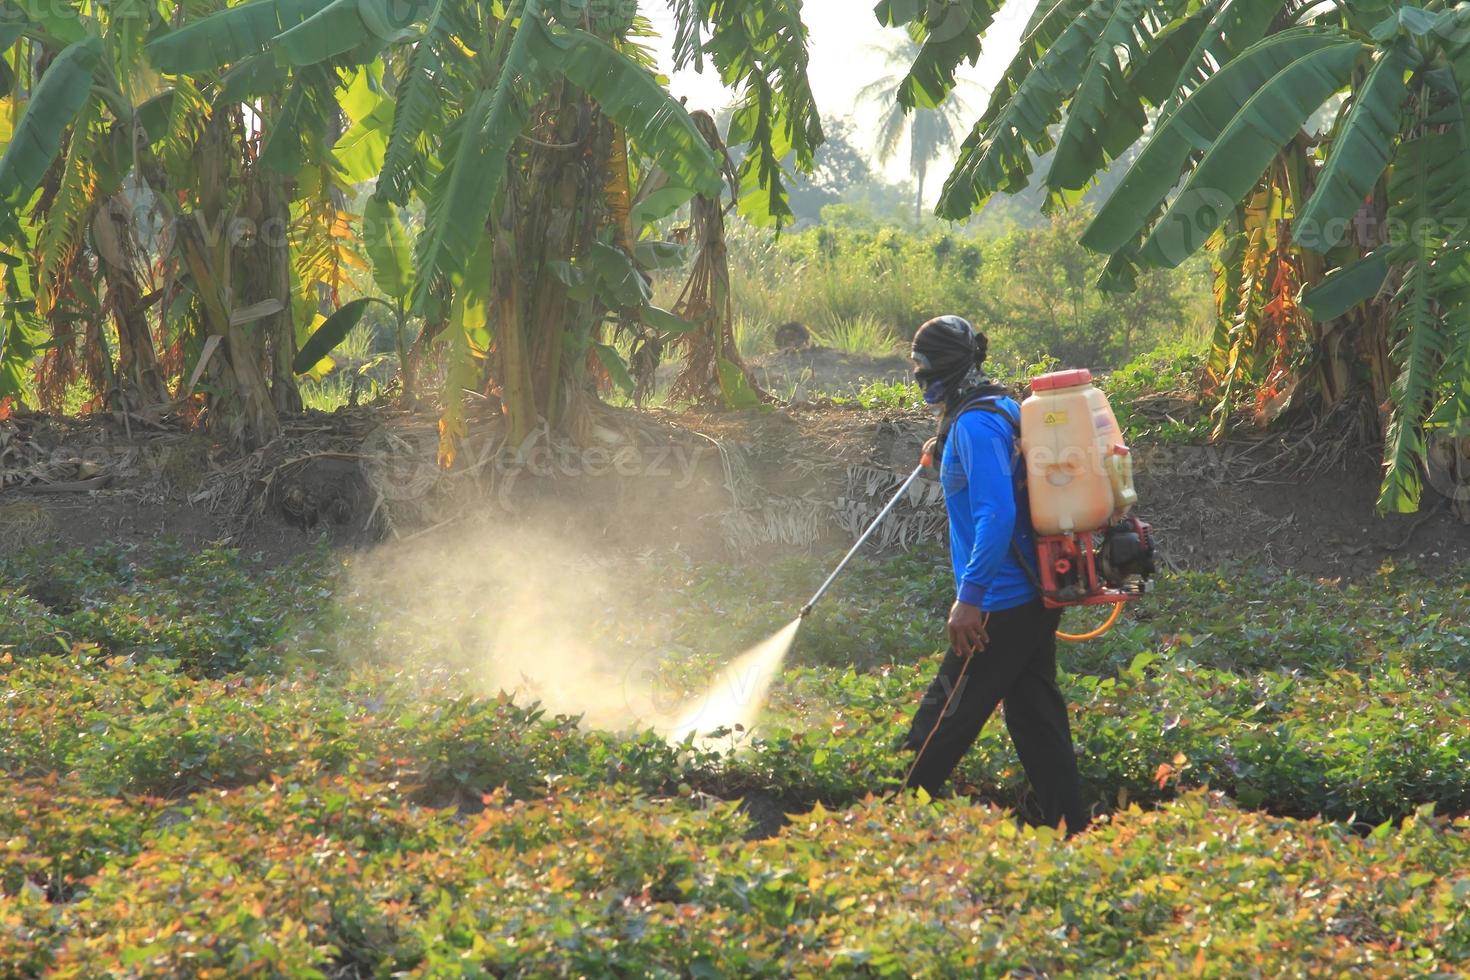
(616,368)
(1103,119)
(330,334)
(1235,26)
(1422,343)
(253,77)
(1016,126)
(1361,152)
(610,272)
(344,25)
(658,256)
(226,37)
(951,33)
(659,204)
(388,248)
(666,322)
(475,160)
(22,334)
(1236,160)
(631,96)
(61,22)
(1194,127)
(416,98)
(58,97)
(282,152)
(1344,288)
(1154,76)
(360,151)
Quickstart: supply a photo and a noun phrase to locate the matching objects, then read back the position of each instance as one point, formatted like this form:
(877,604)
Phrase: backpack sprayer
(1090,550)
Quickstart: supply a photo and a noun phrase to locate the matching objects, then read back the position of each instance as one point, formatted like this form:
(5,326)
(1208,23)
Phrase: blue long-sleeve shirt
(986,510)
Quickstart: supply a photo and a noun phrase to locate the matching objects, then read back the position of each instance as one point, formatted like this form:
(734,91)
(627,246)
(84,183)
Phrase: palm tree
(930,132)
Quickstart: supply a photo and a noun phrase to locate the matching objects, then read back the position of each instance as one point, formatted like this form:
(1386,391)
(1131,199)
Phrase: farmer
(1002,640)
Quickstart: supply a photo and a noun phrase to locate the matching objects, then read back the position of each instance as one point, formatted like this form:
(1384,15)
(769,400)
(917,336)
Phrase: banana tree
(1316,148)
(520,127)
(264,238)
(66,175)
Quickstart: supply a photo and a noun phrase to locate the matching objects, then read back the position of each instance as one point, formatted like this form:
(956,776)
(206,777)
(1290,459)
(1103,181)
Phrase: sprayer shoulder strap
(987,403)
(983,401)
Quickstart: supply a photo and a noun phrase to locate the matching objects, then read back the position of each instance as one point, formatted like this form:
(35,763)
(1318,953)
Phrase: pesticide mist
(738,693)
(524,612)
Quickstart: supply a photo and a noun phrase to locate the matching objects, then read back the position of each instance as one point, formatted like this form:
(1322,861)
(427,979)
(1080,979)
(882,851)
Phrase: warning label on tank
(1054,418)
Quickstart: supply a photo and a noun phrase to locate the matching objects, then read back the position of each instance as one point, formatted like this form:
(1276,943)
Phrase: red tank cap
(1062,379)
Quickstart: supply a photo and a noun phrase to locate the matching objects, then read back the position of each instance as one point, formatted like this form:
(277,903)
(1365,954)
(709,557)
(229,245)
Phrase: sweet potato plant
(201,781)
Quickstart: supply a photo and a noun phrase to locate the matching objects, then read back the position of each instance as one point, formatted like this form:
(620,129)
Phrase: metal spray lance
(862,540)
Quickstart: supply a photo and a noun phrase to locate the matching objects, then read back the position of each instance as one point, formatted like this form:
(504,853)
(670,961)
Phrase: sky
(843,36)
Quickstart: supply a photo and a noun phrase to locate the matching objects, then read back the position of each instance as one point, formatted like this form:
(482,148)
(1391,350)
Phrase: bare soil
(723,486)
(792,375)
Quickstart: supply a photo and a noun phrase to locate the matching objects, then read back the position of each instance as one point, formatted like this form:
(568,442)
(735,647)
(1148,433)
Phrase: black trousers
(1018,666)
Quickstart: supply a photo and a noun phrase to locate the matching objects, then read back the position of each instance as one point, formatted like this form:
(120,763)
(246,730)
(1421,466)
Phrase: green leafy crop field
(212,768)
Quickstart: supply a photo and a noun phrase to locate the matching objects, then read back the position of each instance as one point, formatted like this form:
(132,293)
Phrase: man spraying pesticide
(1022,551)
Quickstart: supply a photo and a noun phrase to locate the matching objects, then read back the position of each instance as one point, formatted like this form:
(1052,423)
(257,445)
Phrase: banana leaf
(1361,151)
(1344,288)
(1193,128)
(415,101)
(58,97)
(949,33)
(631,96)
(475,161)
(1103,117)
(330,334)
(388,248)
(344,25)
(226,37)
(1235,161)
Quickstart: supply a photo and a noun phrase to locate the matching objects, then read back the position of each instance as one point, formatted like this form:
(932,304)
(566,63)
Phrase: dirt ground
(723,486)
(792,375)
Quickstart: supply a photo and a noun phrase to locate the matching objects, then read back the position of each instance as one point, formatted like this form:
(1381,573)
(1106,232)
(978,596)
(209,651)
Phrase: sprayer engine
(1096,569)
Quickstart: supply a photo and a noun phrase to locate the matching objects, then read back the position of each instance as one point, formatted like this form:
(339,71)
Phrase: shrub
(340,877)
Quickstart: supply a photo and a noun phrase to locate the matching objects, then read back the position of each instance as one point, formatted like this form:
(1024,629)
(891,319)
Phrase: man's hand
(967,629)
(930,454)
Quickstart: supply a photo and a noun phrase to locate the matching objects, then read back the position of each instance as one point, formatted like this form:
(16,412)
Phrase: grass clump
(861,334)
(1032,290)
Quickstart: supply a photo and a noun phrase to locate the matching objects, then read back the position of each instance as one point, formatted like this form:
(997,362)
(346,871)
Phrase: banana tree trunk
(549,230)
(1333,343)
(139,381)
(512,360)
(279,328)
(241,411)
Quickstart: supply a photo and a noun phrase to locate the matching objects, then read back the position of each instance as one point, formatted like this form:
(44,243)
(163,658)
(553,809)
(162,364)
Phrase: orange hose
(1083,637)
